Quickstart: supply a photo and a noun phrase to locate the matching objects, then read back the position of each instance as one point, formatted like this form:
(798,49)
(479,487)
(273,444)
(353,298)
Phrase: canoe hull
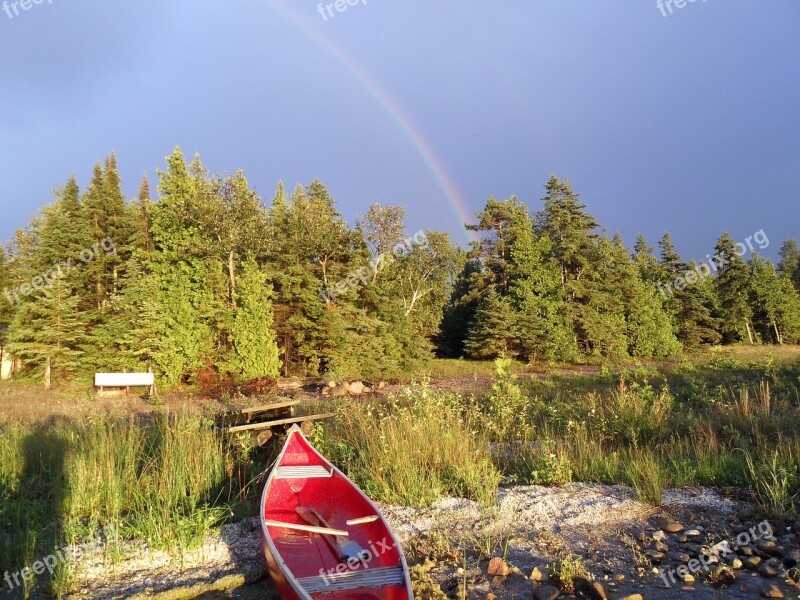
(306,566)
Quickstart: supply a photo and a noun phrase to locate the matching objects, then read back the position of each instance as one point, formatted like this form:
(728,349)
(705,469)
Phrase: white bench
(126,380)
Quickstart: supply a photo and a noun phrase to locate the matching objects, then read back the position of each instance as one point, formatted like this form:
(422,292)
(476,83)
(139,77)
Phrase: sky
(684,121)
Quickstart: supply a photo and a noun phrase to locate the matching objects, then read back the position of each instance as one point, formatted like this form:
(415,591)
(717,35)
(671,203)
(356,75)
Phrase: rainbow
(422,146)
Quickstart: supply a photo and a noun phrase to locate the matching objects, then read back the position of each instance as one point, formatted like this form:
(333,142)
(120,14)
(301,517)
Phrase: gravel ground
(600,523)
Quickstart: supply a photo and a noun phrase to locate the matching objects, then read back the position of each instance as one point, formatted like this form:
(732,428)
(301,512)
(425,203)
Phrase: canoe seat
(350,580)
(302,472)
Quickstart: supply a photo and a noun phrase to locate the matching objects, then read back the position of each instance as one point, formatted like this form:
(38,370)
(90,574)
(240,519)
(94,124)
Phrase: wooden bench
(124,380)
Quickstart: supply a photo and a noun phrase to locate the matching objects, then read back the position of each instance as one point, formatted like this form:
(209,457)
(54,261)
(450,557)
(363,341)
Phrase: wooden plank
(267,424)
(309,528)
(362,520)
(123,379)
(256,409)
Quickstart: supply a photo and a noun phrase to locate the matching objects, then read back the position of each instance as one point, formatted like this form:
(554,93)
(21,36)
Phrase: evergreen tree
(733,288)
(790,262)
(256,353)
(492,332)
(697,325)
(7,299)
(646,262)
(776,303)
(570,228)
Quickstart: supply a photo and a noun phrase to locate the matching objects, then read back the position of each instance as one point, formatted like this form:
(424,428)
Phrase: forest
(207,280)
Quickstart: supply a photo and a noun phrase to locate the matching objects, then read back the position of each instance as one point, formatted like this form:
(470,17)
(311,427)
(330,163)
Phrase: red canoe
(323,539)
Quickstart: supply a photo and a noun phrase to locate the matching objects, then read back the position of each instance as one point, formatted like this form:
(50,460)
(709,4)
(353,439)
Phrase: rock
(356,388)
(341,390)
(771,591)
(491,596)
(693,533)
(751,562)
(669,525)
(655,556)
(768,570)
(381,385)
(538,575)
(680,557)
(326,391)
(735,562)
(546,592)
(499,567)
(791,557)
(659,536)
(681,539)
(661,547)
(597,591)
(769,547)
(367,390)
(746,550)
(632,597)
(688,578)
(331,384)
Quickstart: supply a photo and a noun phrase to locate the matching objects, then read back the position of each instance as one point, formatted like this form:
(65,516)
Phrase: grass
(731,419)
(167,481)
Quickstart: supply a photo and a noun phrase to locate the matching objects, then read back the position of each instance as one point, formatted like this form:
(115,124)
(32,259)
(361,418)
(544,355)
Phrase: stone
(735,562)
(655,556)
(771,591)
(768,570)
(331,384)
(693,533)
(632,597)
(669,525)
(752,562)
(356,388)
(688,578)
(546,592)
(597,591)
(538,575)
(491,596)
(661,547)
(499,567)
(681,557)
(791,556)
(746,550)
(660,536)
(769,547)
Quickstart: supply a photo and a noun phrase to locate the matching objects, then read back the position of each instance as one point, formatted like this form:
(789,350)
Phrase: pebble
(771,591)
(693,533)
(670,526)
(499,567)
(768,570)
(735,562)
(660,536)
(792,556)
(769,547)
(632,597)
(752,562)
(546,592)
(538,575)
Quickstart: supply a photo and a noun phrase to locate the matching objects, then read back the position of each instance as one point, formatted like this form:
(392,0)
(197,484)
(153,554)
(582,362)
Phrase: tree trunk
(47,374)
(749,331)
(232,274)
(777,332)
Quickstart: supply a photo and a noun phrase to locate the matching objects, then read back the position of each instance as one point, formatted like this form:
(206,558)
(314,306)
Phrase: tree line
(208,280)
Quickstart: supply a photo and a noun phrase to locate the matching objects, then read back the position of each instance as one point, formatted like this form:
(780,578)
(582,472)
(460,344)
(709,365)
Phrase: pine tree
(790,262)
(733,290)
(7,299)
(570,228)
(645,260)
(492,331)
(254,344)
(697,325)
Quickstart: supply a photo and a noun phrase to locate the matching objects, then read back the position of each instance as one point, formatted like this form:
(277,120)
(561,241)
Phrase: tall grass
(414,449)
(164,481)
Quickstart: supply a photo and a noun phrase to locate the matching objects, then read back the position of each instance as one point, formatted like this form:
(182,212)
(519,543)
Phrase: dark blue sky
(687,123)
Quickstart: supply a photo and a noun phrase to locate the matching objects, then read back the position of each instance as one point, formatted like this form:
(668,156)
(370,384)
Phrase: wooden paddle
(345,547)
